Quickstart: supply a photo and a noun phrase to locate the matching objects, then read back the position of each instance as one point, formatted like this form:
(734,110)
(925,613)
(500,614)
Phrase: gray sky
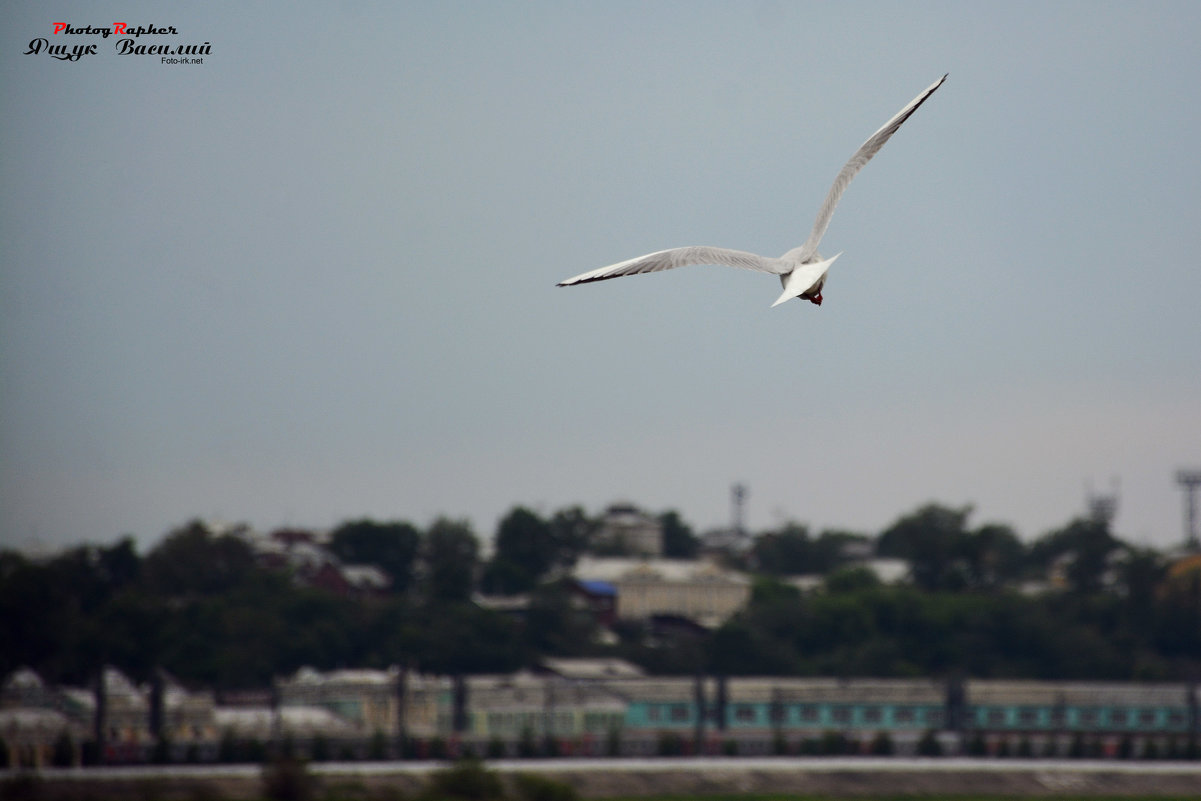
(313,277)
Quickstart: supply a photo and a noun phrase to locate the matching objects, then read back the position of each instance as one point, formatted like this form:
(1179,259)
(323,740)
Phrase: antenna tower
(738,495)
(1190,481)
(1103,508)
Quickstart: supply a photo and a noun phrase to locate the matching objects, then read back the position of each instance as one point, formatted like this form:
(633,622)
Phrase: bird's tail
(804,278)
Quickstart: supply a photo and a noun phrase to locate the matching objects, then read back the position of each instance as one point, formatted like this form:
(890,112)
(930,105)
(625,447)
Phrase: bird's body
(802,270)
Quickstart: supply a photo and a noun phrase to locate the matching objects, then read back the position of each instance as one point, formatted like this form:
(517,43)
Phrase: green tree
(1092,545)
(1141,574)
(851,579)
(37,622)
(933,540)
(392,547)
(994,556)
(554,625)
(451,557)
(741,647)
(119,566)
(525,551)
(787,551)
(572,531)
(1178,613)
(192,561)
(1085,545)
(831,549)
(679,542)
(461,639)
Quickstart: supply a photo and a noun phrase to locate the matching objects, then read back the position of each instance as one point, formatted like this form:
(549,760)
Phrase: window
(679,712)
(809,713)
(1028,716)
(934,718)
(996,716)
(841,714)
(1088,717)
(1147,717)
(744,713)
(1117,717)
(903,715)
(652,713)
(872,714)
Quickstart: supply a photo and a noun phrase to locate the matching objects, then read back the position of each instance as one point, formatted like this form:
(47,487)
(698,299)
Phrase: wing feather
(862,156)
(681,257)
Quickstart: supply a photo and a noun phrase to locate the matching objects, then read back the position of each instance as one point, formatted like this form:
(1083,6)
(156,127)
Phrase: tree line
(202,606)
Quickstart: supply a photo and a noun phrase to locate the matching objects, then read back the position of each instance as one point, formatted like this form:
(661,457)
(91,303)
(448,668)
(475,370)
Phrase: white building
(700,591)
(626,529)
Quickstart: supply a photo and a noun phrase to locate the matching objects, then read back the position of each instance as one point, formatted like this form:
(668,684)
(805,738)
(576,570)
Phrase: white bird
(802,270)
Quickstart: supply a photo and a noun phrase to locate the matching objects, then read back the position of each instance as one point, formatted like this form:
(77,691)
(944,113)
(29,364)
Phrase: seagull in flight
(802,270)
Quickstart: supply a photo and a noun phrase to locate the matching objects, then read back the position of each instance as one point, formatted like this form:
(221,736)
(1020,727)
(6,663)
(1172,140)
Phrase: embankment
(840,777)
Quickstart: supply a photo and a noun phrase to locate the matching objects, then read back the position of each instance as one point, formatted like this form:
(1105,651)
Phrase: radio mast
(1189,481)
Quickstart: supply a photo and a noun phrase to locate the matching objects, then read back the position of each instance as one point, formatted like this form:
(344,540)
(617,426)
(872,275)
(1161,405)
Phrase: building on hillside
(348,580)
(626,529)
(600,598)
(700,591)
(306,556)
(728,540)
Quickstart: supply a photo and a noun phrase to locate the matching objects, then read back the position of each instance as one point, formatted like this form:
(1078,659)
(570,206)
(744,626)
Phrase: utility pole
(100,722)
(459,708)
(402,745)
(157,722)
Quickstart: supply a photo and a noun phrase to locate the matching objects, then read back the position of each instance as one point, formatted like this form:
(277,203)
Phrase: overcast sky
(312,278)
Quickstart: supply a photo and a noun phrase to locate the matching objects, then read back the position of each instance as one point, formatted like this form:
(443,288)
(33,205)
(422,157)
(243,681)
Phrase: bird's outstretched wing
(681,257)
(862,156)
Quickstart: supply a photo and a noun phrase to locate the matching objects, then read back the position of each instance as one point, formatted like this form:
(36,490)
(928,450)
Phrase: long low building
(609,707)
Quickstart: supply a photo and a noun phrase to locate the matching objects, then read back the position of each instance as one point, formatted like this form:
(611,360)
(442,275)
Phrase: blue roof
(598,587)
